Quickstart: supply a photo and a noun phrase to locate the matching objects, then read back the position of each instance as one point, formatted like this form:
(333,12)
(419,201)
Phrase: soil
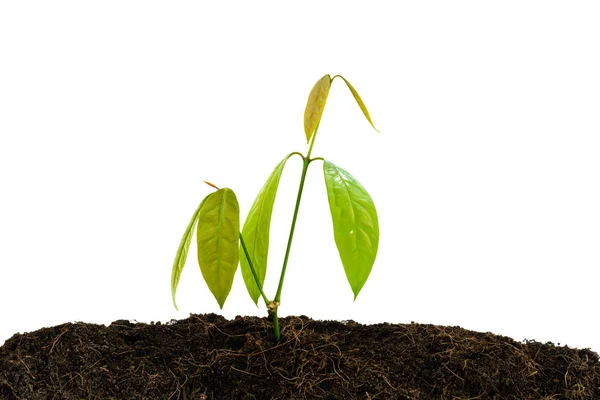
(209,357)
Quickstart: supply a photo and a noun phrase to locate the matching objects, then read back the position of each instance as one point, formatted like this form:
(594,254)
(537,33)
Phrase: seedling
(217,222)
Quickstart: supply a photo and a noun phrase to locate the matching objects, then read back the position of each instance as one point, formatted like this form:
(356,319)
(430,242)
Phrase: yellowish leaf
(315,105)
(359,101)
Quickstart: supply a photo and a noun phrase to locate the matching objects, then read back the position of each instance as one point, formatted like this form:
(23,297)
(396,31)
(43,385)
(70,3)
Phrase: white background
(485,174)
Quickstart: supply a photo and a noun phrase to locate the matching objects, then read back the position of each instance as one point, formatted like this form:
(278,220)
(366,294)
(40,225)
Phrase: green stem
(305,164)
(277,300)
(260,289)
(276,326)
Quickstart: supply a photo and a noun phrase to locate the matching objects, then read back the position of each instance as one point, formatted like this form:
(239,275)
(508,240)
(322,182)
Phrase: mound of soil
(209,357)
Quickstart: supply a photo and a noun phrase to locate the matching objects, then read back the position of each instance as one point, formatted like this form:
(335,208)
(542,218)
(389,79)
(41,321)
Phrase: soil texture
(209,357)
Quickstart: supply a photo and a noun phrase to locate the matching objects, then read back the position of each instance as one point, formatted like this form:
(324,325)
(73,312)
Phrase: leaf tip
(221,301)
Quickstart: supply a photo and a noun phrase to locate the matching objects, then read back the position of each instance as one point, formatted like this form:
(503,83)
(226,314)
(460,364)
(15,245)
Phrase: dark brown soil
(209,357)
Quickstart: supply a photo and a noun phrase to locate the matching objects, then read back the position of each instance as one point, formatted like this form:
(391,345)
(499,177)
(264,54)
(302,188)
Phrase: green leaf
(218,242)
(315,105)
(355,224)
(359,101)
(256,231)
(182,253)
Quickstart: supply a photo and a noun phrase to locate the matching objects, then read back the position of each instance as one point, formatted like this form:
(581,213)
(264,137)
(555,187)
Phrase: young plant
(217,221)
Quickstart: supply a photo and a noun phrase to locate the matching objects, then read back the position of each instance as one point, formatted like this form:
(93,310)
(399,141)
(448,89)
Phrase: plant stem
(305,164)
(276,326)
(260,289)
(277,300)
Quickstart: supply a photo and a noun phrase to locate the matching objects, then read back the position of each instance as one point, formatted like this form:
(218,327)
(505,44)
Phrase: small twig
(245,372)
(56,339)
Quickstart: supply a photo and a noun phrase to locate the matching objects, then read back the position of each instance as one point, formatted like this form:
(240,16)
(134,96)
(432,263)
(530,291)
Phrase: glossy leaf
(182,253)
(359,101)
(315,105)
(218,241)
(256,232)
(355,224)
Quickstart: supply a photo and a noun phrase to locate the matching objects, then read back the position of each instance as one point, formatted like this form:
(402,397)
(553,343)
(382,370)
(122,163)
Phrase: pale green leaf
(355,224)
(256,232)
(315,105)
(182,252)
(359,101)
(218,242)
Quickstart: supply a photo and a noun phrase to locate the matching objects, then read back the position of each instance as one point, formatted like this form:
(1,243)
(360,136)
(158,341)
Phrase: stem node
(272,306)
